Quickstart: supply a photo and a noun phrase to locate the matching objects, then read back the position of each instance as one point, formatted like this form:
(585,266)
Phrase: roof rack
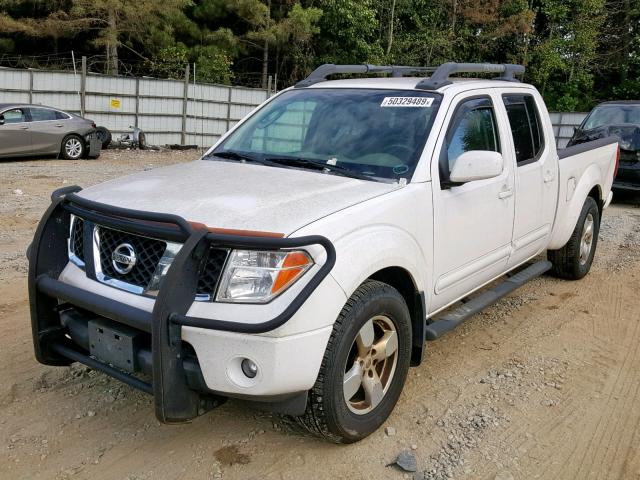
(321,73)
(439,77)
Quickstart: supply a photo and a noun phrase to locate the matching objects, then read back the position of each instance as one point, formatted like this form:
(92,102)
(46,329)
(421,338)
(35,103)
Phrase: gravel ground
(543,384)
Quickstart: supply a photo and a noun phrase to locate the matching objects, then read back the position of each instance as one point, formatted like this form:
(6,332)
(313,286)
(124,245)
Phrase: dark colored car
(28,130)
(620,119)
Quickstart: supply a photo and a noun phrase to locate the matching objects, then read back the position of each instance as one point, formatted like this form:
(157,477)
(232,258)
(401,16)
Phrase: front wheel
(573,261)
(364,367)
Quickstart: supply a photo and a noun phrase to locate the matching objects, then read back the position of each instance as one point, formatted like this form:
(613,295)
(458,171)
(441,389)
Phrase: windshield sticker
(406,102)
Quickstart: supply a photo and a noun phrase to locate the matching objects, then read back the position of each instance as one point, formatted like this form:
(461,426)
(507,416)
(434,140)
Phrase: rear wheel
(573,261)
(364,367)
(73,147)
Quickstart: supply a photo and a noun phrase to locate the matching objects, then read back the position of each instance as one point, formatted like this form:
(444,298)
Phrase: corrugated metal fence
(564,124)
(169,111)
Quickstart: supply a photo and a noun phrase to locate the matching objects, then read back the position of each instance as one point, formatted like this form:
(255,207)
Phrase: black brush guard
(175,401)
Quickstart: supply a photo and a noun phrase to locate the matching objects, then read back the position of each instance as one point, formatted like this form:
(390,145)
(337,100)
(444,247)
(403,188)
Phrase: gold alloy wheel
(370,365)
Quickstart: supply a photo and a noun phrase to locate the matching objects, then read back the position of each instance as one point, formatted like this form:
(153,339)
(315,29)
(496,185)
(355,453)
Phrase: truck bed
(580,168)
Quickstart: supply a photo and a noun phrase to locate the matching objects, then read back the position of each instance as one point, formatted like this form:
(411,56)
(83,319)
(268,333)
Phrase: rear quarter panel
(579,174)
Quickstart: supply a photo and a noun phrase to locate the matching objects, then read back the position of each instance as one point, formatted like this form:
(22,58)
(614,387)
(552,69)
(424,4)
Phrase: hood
(237,195)
(627,133)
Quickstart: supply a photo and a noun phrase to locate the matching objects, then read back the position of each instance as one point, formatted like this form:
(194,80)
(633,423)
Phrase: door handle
(505,193)
(549,177)
(24,128)
(59,125)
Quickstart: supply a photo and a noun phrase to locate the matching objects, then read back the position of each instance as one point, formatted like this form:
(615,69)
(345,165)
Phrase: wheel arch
(400,279)
(596,194)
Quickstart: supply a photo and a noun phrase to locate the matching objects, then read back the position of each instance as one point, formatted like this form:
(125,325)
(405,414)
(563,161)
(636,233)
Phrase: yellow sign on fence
(115,103)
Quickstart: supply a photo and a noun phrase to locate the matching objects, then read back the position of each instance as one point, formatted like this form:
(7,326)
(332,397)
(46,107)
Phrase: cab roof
(410,83)
(406,77)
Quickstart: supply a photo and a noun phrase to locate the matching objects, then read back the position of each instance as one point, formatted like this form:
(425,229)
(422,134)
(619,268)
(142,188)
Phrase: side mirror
(476,165)
(1,119)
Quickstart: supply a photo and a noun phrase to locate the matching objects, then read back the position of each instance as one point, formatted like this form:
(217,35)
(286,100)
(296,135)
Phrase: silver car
(28,130)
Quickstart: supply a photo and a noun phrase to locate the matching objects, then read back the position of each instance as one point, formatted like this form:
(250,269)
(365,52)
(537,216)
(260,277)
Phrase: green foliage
(170,62)
(7,45)
(213,66)
(349,30)
(564,57)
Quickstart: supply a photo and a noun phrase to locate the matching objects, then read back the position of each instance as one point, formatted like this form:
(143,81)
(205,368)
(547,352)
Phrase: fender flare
(392,248)
(570,204)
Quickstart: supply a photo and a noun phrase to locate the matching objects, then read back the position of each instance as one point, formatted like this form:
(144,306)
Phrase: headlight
(253,276)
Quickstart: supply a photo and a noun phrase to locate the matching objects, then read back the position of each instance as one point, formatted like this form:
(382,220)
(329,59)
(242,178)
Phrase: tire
(142,141)
(104,135)
(73,147)
(573,261)
(329,414)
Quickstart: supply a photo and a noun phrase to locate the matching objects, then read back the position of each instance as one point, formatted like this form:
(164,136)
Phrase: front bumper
(177,383)
(628,177)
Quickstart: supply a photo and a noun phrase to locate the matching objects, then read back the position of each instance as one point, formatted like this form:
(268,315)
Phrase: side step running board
(454,318)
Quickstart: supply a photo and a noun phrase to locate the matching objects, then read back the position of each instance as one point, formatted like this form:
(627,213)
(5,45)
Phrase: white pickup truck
(302,263)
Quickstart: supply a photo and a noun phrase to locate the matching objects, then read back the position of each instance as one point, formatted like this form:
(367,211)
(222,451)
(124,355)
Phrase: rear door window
(526,128)
(42,114)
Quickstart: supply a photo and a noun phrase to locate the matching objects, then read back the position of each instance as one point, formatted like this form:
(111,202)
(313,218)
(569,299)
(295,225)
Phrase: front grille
(76,242)
(148,252)
(211,272)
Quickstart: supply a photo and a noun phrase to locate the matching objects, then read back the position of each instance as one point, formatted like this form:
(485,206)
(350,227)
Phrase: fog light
(249,368)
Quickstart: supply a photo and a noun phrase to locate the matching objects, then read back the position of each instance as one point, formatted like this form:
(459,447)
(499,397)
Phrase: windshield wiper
(245,157)
(289,162)
(318,165)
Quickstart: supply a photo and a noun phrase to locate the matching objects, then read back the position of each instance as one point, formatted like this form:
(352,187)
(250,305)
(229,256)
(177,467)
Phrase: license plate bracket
(113,344)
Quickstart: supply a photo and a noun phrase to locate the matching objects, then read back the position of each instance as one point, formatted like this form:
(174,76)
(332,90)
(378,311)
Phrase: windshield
(373,133)
(612,115)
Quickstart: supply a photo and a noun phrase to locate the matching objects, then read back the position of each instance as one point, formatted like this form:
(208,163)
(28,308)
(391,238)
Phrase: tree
(45,20)
(619,49)
(577,52)
(496,30)
(270,27)
(424,33)
(119,23)
(562,62)
(348,32)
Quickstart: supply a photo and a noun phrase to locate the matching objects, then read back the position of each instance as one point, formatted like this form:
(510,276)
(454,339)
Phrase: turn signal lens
(294,265)
(254,276)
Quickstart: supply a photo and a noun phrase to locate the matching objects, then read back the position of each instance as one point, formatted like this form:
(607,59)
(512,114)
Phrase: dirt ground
(545,384)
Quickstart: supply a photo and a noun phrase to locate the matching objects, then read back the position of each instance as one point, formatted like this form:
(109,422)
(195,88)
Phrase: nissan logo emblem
(123,258)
